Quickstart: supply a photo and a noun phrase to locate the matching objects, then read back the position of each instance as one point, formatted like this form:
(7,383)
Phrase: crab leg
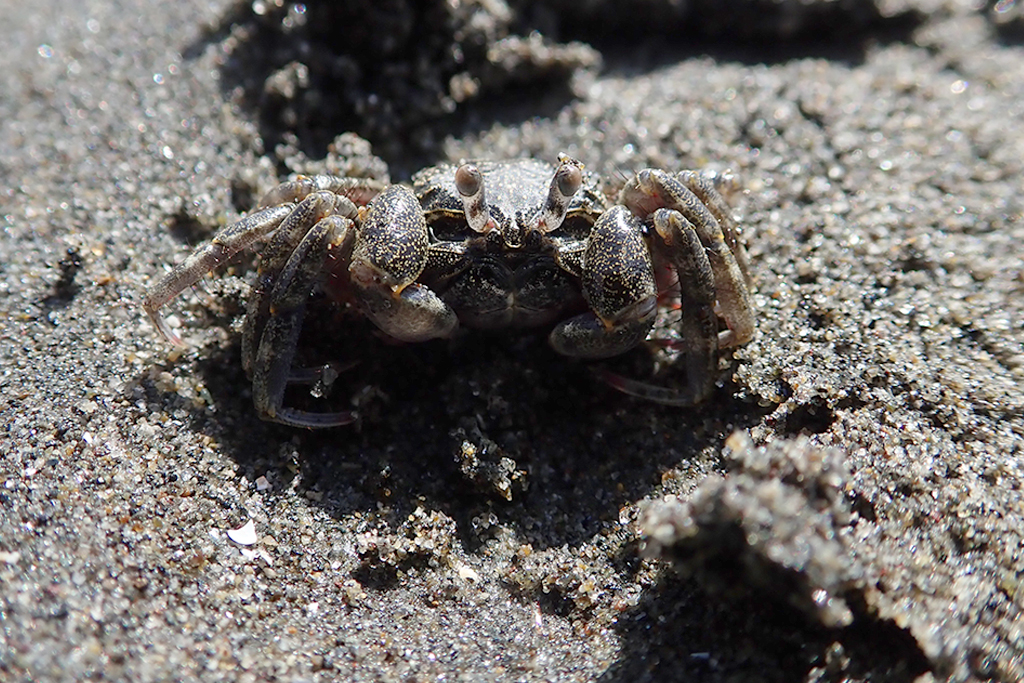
(706,190)
(292,229)
(223,246)
(328,371)
(272,370)
(359,190)
(274,208)
(652,189)
(698,325)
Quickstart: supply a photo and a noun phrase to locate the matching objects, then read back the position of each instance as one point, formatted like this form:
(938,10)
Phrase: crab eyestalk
(470,184)
(564,185)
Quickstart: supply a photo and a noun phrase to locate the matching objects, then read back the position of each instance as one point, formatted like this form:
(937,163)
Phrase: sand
(846,506)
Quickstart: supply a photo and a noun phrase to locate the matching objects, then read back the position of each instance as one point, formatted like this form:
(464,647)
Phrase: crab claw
(618,285)
(391,247)
(390,252)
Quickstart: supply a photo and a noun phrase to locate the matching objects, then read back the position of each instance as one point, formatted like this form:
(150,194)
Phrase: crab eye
(468,180)
(470,184)
(569,178)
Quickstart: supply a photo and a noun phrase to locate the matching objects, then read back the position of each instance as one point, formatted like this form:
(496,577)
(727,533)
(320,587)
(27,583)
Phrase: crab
(487,245)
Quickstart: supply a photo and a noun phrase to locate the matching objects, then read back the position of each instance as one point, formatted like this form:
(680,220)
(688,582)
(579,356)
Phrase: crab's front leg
(391,250)
(618,284)
(653,189)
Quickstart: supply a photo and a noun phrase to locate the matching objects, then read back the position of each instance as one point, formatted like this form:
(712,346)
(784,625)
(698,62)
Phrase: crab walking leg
(275,206)
(652,189)
(707,192)
(273,367)
(359,190)
(223,246)
(301,218)
(698,325)
(328,371)
(618,284)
